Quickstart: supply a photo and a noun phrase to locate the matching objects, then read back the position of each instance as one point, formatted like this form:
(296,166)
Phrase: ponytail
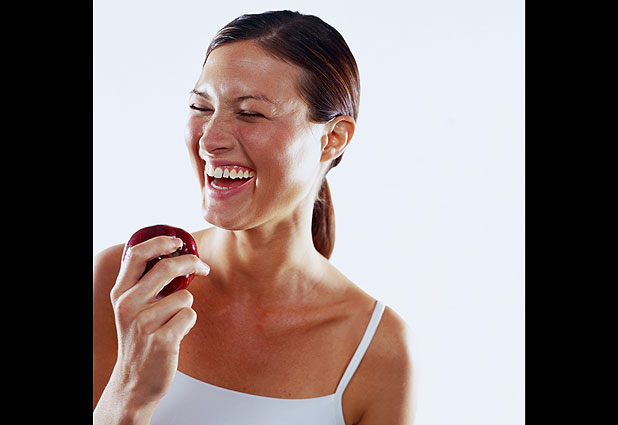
(323,222)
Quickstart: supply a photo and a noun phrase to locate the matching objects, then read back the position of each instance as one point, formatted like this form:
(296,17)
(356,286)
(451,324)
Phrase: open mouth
(228,177)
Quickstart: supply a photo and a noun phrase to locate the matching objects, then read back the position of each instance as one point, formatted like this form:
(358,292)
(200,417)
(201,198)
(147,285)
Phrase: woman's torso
(250,350)
(282,351)
(279,348)
(193,401)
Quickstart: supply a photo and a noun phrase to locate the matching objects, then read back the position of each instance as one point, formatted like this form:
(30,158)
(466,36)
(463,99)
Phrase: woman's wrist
(119,407)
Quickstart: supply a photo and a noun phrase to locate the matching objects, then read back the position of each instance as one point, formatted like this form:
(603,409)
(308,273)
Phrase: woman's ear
(339,132)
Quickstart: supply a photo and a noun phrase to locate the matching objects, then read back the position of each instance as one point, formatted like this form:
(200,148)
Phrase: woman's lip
(223,163)
(224,193)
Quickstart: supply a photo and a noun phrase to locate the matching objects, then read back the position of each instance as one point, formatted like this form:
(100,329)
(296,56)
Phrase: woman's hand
(149,329)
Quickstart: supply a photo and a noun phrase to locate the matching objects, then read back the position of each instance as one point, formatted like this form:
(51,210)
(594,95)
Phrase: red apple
(188,247)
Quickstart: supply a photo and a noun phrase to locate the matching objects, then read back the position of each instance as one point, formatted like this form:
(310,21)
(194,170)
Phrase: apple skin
(188,247)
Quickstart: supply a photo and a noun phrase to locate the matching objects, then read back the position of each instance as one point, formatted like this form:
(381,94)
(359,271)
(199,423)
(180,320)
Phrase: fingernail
(205,267)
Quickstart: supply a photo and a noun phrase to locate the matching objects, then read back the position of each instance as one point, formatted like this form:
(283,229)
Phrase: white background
(429,197)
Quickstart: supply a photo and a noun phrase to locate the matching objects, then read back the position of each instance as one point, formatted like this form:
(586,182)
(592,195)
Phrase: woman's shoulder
(384,385)
(106,265)
(391,343)
(110,255)
(393,339)
(390,348)
(389,373)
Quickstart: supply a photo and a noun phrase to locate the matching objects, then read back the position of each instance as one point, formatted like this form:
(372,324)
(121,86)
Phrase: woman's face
(247,118)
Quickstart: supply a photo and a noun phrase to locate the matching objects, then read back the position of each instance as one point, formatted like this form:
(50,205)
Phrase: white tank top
(193,402)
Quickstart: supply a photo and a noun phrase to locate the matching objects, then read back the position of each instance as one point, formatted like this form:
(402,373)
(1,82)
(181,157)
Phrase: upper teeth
(232,172)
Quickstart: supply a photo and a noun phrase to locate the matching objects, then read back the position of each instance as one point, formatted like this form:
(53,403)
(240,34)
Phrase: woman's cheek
(256,137)
(193,133)
(192,141)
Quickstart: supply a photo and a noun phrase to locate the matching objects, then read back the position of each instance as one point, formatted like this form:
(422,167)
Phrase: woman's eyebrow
(256,97)
(238,99)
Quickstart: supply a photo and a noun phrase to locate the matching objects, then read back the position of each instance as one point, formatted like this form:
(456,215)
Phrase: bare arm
(104,342)
(148,329)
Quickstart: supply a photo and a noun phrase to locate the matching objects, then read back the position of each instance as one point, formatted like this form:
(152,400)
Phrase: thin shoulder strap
(362,347)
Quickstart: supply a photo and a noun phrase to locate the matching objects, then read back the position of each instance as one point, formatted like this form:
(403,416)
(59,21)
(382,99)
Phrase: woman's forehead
(243,69)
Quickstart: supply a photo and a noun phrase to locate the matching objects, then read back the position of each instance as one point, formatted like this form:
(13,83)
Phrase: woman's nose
(216,136)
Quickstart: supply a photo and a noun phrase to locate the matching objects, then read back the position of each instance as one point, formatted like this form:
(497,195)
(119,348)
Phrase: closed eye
(250,114)
(198,108)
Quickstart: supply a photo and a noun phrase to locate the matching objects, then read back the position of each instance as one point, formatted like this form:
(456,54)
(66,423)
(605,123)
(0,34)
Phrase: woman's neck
(270,261)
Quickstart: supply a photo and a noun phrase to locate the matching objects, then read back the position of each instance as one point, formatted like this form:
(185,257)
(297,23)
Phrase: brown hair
(330,84)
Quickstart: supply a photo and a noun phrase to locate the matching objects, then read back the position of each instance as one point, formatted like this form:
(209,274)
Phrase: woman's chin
(224,219)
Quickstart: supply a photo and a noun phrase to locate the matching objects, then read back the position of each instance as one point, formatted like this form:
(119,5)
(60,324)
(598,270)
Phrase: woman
(271,332)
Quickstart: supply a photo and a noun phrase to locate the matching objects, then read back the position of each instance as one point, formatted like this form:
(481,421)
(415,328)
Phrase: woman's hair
(330,83)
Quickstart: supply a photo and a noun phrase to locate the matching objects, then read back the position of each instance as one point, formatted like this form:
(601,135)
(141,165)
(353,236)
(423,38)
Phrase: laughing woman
(271,332)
